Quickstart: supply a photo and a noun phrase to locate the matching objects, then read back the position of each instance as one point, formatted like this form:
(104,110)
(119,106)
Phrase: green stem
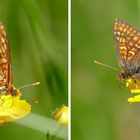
(44,124)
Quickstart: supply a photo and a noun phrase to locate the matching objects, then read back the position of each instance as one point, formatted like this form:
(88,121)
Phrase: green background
(37,31)
(100,110)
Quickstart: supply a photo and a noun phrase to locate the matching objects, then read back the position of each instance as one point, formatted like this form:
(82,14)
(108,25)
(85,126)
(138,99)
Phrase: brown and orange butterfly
(127,41)
(6,78)
(12,107)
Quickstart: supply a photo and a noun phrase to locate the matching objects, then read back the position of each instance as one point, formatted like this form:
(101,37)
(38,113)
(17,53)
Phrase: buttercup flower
(61,115)
(13,108)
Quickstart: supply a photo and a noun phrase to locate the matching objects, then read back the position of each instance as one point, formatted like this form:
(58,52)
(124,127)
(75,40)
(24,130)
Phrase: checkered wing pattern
(5,64)
(127,41)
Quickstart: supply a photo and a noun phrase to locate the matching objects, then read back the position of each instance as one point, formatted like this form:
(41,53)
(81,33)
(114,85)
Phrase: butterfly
(6,77)
(127,40)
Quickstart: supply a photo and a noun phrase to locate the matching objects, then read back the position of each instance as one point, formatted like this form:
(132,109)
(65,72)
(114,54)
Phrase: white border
(69,68)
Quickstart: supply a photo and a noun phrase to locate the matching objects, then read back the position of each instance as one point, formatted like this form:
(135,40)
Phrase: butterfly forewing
(5,64)
(127,41)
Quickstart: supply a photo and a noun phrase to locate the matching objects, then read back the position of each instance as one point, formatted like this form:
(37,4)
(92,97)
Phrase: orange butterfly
(6,78)
(127,41)
(11,106)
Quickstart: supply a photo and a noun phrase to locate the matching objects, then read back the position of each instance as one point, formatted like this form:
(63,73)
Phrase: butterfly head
(5,91)
(14,91)
(124,75)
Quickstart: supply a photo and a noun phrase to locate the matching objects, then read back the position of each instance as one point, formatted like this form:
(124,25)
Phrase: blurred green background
(100,110)
(37,32)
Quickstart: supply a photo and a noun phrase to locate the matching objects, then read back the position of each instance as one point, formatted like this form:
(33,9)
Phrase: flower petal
(12,108)
(134,99)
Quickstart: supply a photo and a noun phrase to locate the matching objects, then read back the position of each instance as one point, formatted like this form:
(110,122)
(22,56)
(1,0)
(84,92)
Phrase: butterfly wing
(127,41)
(5,64)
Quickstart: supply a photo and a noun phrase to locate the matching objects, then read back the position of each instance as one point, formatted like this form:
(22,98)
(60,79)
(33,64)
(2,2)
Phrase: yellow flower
(134,87)
(61,115)
(13,108)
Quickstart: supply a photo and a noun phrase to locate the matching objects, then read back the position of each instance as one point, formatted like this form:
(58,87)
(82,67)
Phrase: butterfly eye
(13,92)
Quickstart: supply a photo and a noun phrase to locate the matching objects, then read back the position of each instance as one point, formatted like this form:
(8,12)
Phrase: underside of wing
(5,65)
(127,41)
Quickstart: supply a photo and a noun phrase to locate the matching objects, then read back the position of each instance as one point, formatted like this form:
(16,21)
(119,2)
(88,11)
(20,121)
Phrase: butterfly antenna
(108,66)
(34,84)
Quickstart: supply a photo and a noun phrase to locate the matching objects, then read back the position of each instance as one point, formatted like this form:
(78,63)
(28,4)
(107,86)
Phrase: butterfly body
(127,40)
